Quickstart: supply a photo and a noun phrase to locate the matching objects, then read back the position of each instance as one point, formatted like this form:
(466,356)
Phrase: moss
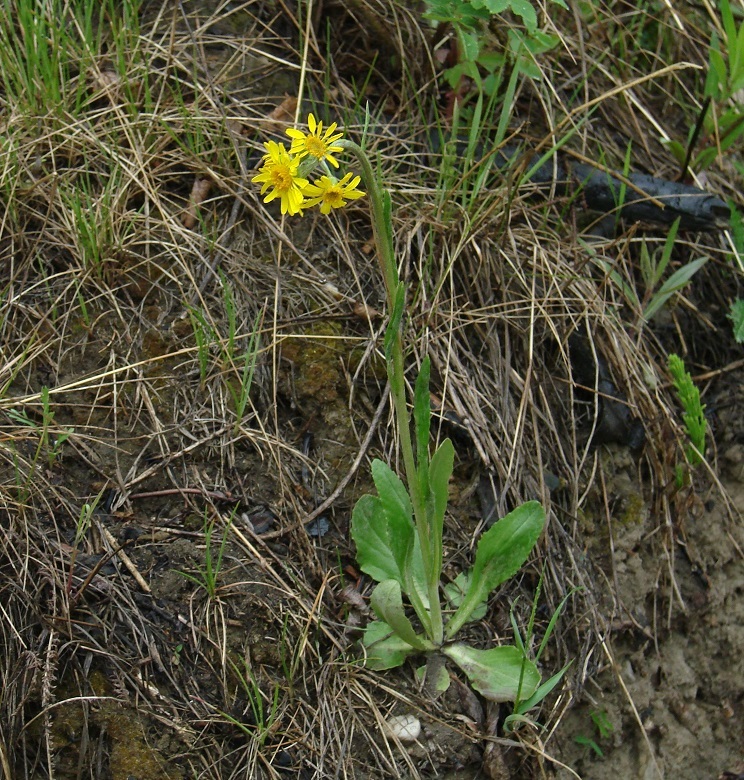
(131,755)
(122,726)
(316,360)
(634,513)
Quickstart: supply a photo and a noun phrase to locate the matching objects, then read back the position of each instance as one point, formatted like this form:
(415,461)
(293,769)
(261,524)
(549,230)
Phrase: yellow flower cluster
(283,172)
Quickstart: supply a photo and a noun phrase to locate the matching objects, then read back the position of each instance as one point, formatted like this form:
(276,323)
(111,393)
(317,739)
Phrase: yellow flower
(279,172)
(331,194)
(317,143)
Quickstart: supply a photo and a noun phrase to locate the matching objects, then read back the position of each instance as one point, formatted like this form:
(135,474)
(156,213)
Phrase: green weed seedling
(653,270)
(204,336)
(653,266)
(398,532)
(693,415)
(263,709)
(50,441)
(522,705)
(244,365)
(208,575)
(83,523)
(603,728)
(721,116)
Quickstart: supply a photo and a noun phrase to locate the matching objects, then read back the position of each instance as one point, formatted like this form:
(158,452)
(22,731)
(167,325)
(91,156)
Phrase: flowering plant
(284,173)
(398,532)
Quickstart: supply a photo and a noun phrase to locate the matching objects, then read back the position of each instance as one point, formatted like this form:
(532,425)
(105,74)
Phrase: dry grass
(109,270)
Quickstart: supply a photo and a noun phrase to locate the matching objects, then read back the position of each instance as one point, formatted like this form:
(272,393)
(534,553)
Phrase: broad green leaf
(493,6)
(507,544)
(501,552)
(397,504)
(370,530)
(387,602)
(402,539)
(499,674)
(392,491)
(385,650)
(524,9)
(380,538)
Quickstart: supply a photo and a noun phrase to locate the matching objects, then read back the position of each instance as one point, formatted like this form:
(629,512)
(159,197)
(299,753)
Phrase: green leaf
(440,471)
(524,9)
(737,318)
(393,328)
(729,25)
(717,75)
(542,691)
(387,603)
(501,552)
(469,44)
(393,493)
(507,544)
(499,674)
(676,149)
(675,282)
(385,650)
(493,6)
(455,594)
(422,420)
(370,530)
(388,547)
(397,504)
(666,253)
(387,223)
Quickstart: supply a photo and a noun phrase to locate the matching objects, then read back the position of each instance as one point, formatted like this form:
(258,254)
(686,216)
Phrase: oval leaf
(499,674)
(387,603)
(370,530)
(501,552)
(385,650)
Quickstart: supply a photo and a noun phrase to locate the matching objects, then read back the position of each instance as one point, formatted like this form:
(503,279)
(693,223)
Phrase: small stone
(406,728)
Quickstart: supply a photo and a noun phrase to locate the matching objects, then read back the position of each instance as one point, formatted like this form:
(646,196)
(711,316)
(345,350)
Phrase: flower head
(332,194)
(318,143)
(279,172)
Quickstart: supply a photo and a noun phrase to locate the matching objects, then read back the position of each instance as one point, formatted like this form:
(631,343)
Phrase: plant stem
(383,234)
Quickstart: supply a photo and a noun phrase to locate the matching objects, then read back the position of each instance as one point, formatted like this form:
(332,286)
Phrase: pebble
(406,728)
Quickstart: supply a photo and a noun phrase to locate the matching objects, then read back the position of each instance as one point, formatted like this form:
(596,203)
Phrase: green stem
(383,234)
